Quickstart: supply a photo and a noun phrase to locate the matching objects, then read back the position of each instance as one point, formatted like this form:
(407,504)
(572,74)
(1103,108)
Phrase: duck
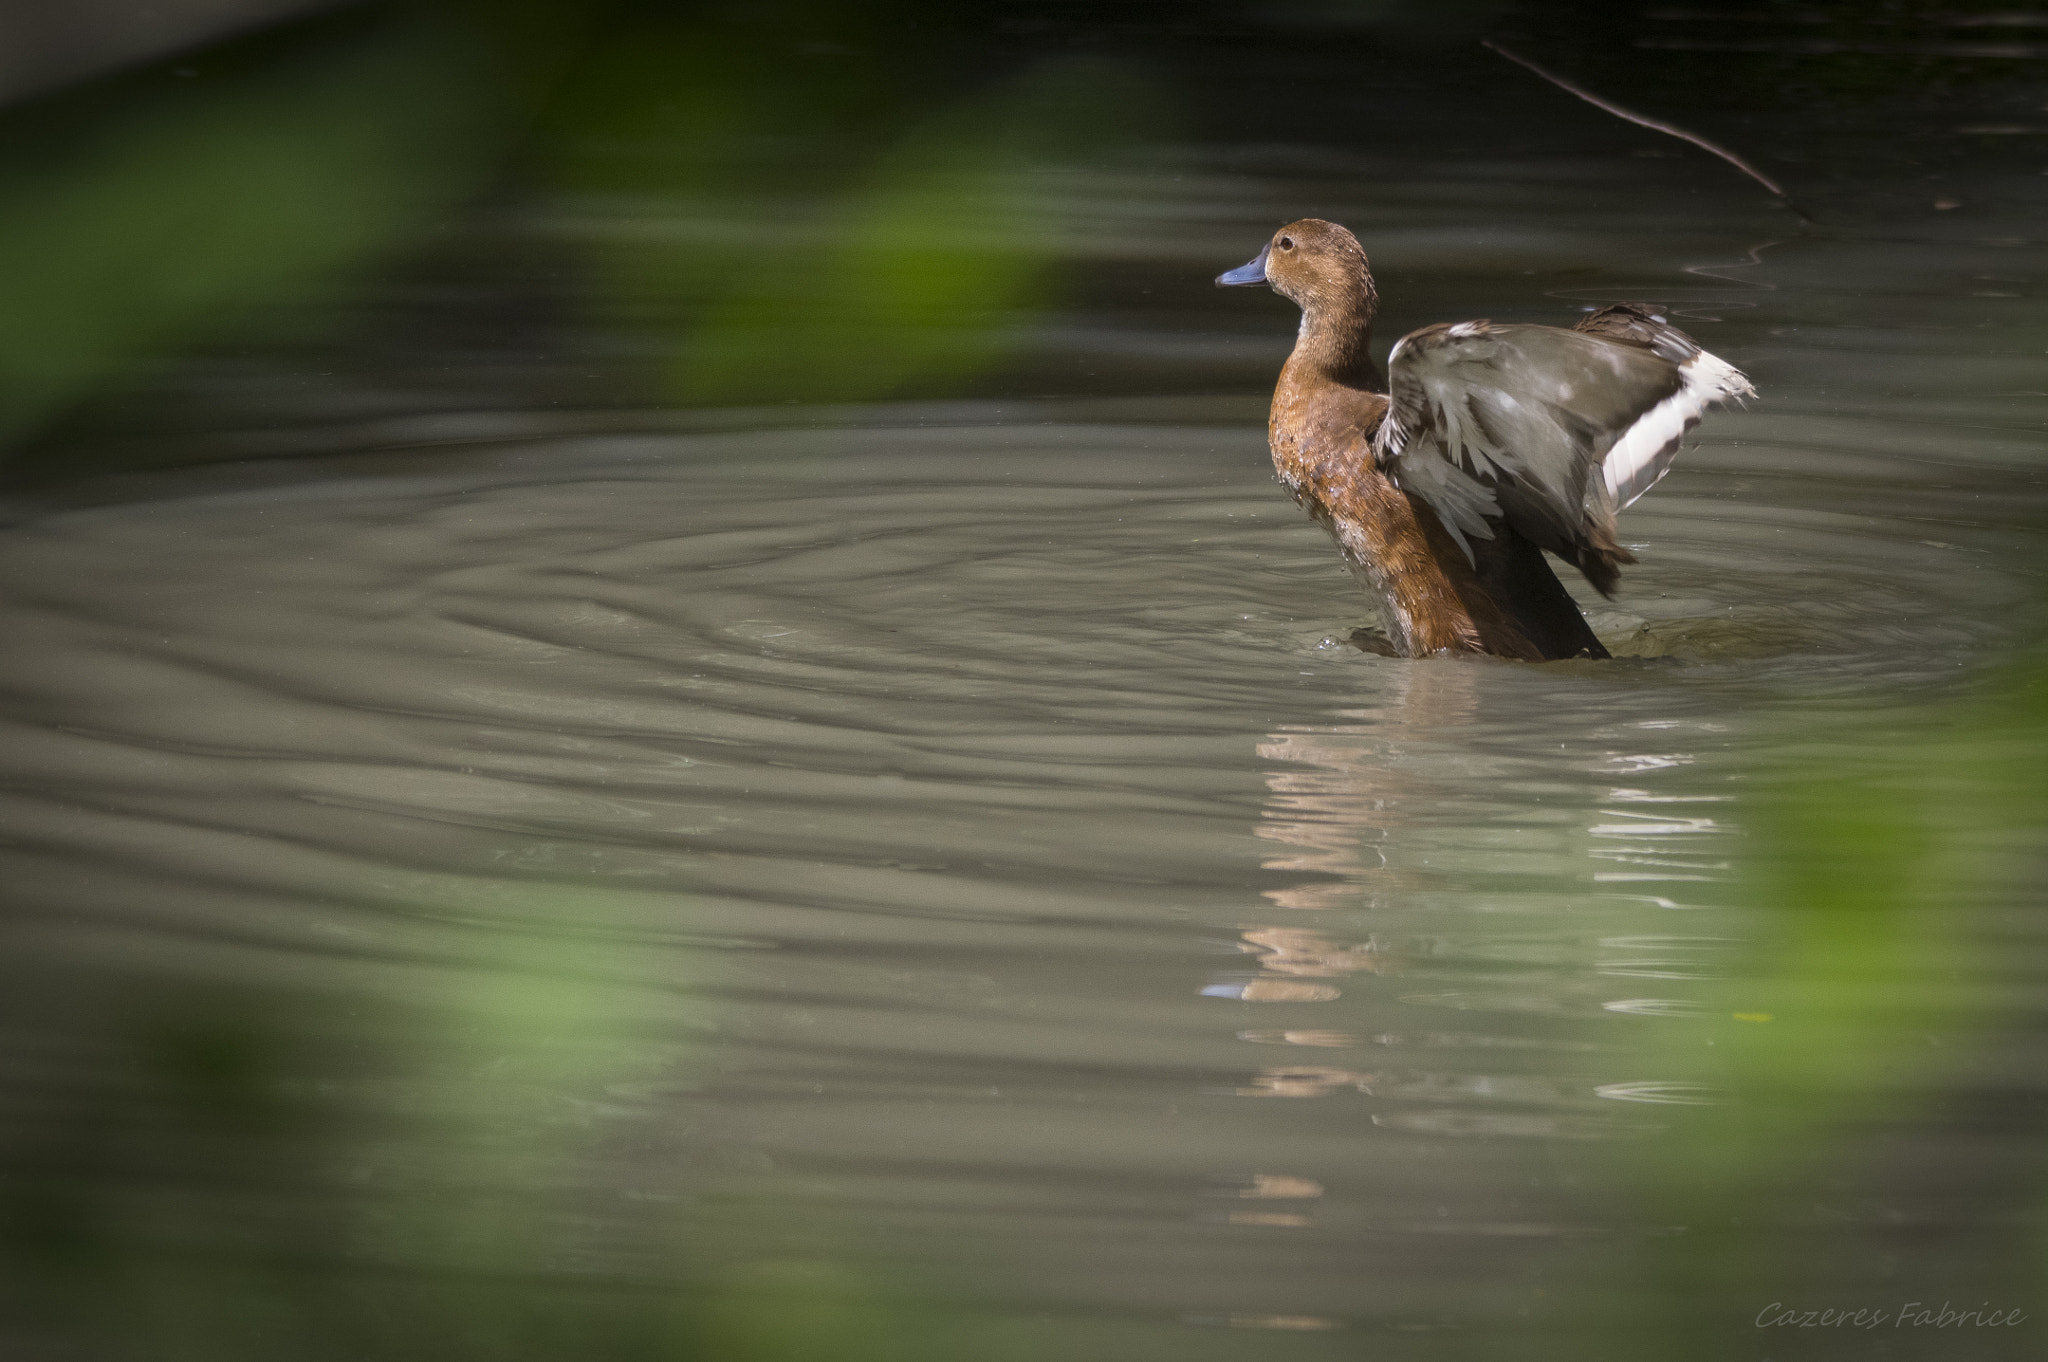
(1446,478)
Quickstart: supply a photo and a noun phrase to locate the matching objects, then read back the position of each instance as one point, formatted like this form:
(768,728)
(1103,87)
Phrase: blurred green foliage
(1886,849)
(854,210)
(220,1170)
(136,217)
(914,274)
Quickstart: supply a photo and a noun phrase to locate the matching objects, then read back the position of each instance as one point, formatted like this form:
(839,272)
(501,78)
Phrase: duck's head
(1318,264)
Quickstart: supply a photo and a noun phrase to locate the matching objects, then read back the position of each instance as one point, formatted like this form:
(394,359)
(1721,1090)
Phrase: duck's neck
(1335,344)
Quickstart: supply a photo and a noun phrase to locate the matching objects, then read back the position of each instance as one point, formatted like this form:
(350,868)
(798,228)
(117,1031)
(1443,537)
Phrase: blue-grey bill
(1253,273)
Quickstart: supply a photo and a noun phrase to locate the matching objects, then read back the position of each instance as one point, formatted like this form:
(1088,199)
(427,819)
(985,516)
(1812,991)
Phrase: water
(959,843)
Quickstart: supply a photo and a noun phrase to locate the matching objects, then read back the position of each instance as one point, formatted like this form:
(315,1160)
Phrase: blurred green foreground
(859,203)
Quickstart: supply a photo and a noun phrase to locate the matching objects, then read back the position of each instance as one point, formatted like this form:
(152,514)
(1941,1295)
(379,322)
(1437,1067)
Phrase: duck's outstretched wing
(1550,430)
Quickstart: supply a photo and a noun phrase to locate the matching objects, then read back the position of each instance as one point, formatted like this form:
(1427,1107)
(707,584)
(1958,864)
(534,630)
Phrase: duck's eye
(1286,243)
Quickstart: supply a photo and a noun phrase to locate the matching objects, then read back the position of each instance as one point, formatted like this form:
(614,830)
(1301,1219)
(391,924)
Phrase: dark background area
(356,187)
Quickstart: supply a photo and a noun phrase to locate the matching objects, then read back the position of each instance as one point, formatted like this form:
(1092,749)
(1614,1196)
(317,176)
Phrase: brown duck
(1490,444)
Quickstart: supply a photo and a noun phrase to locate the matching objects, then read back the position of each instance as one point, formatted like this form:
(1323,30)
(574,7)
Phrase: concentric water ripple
(1004,793)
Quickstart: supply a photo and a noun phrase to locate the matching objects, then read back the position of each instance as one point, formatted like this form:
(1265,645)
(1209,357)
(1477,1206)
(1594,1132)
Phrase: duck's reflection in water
(1419,803)
(1339,792)
(1277,1200)
(1304,1080)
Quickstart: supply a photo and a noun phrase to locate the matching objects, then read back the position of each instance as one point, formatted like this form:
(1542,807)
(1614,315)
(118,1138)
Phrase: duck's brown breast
(1432,599)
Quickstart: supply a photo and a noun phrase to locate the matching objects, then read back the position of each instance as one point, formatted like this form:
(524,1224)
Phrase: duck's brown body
(1503,599)
(1432,599)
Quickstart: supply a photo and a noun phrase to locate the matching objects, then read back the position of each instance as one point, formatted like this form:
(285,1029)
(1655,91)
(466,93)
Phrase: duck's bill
(1253,273)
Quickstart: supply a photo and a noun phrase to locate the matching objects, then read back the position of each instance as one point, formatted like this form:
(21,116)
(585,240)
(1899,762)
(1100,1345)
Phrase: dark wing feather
(1640,324)
(1549,430)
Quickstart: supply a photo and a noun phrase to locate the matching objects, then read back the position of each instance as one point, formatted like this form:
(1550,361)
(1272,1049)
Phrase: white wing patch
(1644,453)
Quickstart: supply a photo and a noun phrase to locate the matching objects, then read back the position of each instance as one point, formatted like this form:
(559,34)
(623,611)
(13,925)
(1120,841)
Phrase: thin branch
(1657,125)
